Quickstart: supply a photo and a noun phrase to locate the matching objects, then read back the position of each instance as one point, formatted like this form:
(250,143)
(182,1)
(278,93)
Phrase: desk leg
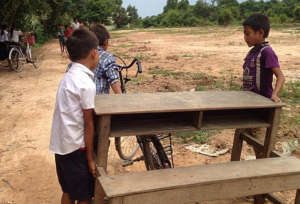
(237,146)
(297,199)
(271,132)
(102,153)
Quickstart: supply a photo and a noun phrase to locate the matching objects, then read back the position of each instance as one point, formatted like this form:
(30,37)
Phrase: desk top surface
(180,102)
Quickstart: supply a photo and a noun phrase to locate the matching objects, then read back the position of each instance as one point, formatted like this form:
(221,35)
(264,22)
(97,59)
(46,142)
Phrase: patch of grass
(201,88)
(291,93)
(187,56)
(117,35)
(142,56)
(199,136)
(166,72)
(126,46)
(138,79)
(163,72)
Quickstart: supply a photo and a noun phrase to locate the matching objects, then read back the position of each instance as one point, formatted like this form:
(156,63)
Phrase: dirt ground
(27,169)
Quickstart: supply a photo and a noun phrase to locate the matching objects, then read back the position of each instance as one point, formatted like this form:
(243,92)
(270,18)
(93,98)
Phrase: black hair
(101,33)
(80,44)
(258,21)
(3,27)
(12,30)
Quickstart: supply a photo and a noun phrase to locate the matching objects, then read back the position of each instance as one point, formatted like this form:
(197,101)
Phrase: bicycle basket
(29,39)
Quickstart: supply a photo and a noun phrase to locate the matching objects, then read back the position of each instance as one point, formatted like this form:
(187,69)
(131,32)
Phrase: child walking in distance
(261,63)
(73,128)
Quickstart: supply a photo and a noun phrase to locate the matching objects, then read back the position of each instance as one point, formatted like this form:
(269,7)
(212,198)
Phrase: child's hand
(92,167)
(275,99)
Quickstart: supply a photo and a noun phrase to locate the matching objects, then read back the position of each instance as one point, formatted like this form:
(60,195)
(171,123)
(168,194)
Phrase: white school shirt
(3,37)
(15,36)
(76,92)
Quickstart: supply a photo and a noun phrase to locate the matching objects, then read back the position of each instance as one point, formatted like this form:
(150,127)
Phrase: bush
(171,19)
(225,17)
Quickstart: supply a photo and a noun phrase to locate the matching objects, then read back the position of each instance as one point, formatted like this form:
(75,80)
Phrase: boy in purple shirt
(261,62)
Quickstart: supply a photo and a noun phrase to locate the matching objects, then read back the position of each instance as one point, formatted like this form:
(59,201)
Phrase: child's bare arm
(116,87)
(279,83)
(89,138)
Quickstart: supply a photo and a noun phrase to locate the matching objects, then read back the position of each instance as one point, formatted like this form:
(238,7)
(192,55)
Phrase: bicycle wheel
(126,147)
(16,61)
(154,154)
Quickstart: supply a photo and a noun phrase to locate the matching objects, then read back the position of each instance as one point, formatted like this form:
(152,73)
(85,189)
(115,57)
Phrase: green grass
(125,46)
(142,56)
(291,93)
(199,136)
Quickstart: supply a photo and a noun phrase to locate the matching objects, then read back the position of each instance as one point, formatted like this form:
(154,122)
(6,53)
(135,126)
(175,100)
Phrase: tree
(201,9)
(120,17)
(133,16)
(171,4)
(183,5)
(172,18)
(225,16)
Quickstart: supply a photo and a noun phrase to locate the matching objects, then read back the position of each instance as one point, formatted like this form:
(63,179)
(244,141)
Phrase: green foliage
(133,17)
(120,17)
(223,12)
(225,17)
(172,19)
(199,136)
(43,16)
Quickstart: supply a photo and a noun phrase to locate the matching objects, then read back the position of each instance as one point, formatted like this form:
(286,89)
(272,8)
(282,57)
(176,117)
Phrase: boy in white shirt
(73,128)
(15,34)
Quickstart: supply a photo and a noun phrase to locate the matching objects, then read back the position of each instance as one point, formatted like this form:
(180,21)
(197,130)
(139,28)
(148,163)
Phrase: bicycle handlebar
(135,60)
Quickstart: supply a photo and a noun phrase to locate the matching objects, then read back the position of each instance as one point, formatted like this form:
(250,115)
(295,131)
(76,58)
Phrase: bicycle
(18,56)
(154,154)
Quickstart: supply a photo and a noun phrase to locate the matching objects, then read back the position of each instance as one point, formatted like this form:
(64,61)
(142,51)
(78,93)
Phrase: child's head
(102,35)
(256,29)
(82,47)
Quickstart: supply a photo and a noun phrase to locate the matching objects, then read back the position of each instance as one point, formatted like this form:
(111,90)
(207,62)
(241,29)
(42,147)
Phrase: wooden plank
(274,199)
(180,101)
(259,146)
(230,122)
(237,146)
(182,177)
(198,119)
(216,191)
(271,132)
(144,127)
(102,153)
(103,142)
(297,199)
(117,200)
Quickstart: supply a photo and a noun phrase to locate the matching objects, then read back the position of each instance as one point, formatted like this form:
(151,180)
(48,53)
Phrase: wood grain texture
(206,175)
(180,101)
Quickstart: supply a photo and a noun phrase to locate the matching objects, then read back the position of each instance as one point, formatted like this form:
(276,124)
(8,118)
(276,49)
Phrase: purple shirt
(258,74)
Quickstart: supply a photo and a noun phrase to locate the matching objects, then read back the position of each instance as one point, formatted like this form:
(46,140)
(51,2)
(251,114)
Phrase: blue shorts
(74,175)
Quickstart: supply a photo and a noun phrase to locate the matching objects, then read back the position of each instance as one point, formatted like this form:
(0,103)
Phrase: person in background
(61,38)
(14,34)
(3,34)
(75,25)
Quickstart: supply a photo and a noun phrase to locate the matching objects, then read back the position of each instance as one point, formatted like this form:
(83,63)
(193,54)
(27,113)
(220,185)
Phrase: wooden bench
(201,183)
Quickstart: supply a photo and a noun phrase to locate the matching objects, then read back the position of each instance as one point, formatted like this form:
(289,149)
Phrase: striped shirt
(106,72)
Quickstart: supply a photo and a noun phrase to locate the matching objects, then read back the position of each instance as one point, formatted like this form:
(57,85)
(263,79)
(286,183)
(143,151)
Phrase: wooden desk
(138,114)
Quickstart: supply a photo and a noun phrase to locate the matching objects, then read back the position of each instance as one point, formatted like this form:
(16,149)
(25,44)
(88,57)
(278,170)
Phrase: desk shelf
(154,123)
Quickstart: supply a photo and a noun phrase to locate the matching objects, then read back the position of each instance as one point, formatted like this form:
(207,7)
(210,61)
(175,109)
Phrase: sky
(149,7)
